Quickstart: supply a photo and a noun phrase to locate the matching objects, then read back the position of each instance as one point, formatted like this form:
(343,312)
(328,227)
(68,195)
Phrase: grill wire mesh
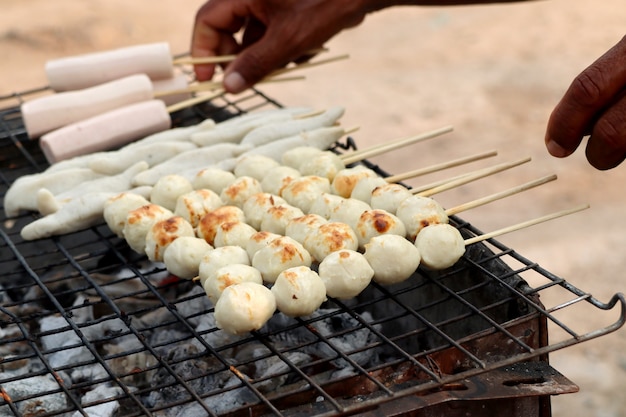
(92,324)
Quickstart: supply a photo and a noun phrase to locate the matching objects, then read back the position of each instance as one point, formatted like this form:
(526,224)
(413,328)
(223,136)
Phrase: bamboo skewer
(439,167)
(216,85)
(379,149)
(525,224)
(220,59)
(193,101)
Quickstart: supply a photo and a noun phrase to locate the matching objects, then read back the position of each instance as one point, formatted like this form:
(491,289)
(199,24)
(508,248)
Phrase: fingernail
(555,149)
(234,82)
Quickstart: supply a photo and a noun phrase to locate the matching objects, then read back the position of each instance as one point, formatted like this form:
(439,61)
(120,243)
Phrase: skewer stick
(525,224)
(439,167)
(377,150)
(193,101)
(215,85)
(220,59)
(500,195)
(308,64)
(485,172)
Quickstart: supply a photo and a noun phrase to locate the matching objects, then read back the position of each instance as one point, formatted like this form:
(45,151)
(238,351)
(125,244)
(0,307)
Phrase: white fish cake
(393,258)
(440,246)
(389,196)
(233,234)
(167,190)
(138,223)
(280,254)
(325,204)
(258,241)
(163,233)
(214,179)
(301,192)
(347,178)
(345,273)
(192,206)
(299,291)
(331,237)
(378,222)
(244,307)
(300,228)
(239,191)
(278,178)
(364,187)
(207,227)
(297,156)
(182,257)
(229,275)
(276,218)
(255,207)
(417,212)
(117,208)
(326,164)
(255,166)
(219,257)
(349,211)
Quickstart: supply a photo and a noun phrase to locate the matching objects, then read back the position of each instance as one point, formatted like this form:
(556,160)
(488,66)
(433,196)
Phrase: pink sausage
(82,71)
(106,131)
(44,114)
(178,82)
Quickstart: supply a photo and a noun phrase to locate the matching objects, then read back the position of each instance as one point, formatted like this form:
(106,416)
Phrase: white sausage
(106,131)
(82,71)
(44,114)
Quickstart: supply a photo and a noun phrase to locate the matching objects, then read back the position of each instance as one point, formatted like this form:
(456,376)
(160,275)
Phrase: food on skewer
(300,228)
(392,257)
(258,241)
(239,191)
(374,223)
(167,189)
(389,196)
(228,275)
(244,307)
(255,166)
(280,254)
(277,178)
(193,205)
(325,204)
(298,156)
(214,179)
(276,218)
(346,179)
(348,211)
(117,207)
(219,257)
(417,212)
(163,233)
(207,227)
(182,257)
(139,222)
(345,273)
(325,164)
(365,186)
(233,234)
(330,237)
(301,192)
(298,291)
(257,205)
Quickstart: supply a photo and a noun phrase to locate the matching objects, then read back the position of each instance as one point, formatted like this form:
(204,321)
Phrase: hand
(275,33)
(595,105)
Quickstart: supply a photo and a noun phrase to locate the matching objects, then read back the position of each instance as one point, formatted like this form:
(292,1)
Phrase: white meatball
(326,164)
(297,156)
(345,274)
(389,196)
(325,204)
(233,234)
(330,237)
(214,179)
(417,212)
(258,241)
(116,210)
(138,223)
(393,258)
(300,228)
(349,211)
(182,257)
(239,191)
(229,275)
(299,291)
(301,192)
(192,206)
(167,190)
(163,233)
(276,218)
(378,222)
(255,166)
(255,207)
(207,227)
(244,307)
(280,254)
(219,257)
(277,178)
(440,246)
(364,187)
(346,179)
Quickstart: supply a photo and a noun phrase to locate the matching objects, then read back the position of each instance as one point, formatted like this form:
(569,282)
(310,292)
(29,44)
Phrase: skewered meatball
(182,257)
(364,187)
(219,257)
(192,206)
(417,212)
(214,179)
(440,245)
(300,228)
(331,237)
(255,207)
(378,222)
(116,210)
(326,164)
(276,218)
(163,233)
(239,191)
(299,291)
(167,190)
(228,275)
(346,179)
(345,274)
(301,192)
(278,178)
(388,197)
(207,227)
(233,234)
(393,258)
(280,254)
(244,307)
(138,223)
(255,166)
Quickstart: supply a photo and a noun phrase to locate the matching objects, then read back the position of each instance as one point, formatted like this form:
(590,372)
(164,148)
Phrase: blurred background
(493,72)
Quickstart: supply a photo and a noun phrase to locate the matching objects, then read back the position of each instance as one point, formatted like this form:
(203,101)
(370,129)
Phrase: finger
(606,147)
(585,100)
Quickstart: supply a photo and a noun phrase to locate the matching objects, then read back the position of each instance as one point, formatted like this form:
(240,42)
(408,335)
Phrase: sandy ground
(493,72)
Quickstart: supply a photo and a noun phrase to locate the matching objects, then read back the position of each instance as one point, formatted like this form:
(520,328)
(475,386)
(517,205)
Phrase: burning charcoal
(277,371)
(101,392)
(32,387)
(131,360)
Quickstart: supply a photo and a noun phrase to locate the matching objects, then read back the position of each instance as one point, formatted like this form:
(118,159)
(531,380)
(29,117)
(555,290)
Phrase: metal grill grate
(89,323)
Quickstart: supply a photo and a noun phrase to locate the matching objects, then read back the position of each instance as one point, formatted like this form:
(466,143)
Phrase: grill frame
(31,260)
